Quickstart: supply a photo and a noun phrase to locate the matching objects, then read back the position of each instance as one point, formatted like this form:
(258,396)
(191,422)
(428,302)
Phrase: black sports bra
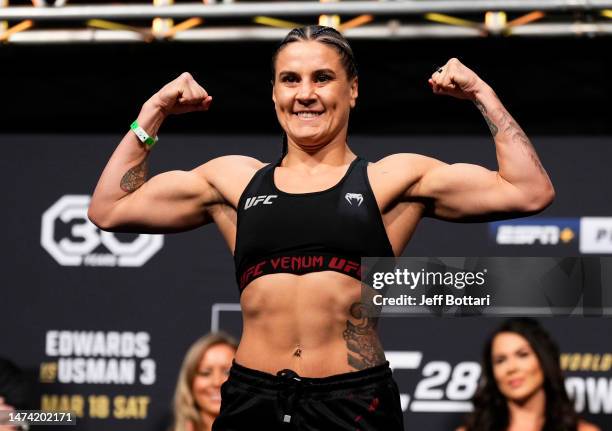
(328,230)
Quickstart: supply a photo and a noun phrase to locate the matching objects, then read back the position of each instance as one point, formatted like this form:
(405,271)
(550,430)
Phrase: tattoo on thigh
(134,177)
(365,350)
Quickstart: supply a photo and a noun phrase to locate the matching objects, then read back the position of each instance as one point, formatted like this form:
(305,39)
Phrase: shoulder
(230,162)
(398,173)
(401,161)
(228,167)
(587,426)
(228,176)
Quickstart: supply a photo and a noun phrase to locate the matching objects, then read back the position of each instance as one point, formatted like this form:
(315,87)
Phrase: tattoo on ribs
(134,177)
(492,127)
(365,350)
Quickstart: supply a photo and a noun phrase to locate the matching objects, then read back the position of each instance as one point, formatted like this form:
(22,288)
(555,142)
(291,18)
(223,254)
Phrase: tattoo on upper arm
(134,177)
(362,341)
(492,127)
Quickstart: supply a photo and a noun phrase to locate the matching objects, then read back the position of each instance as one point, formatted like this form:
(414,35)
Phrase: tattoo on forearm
(134,177)
(517,135)
(365,350)
(492,127)
(511,128)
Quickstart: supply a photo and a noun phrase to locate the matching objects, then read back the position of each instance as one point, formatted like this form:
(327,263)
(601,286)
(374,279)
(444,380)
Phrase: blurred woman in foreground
(197,399)
(521,386)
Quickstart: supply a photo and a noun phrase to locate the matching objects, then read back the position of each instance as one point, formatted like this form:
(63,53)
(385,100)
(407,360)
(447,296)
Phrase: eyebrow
(291,72)
(520,349)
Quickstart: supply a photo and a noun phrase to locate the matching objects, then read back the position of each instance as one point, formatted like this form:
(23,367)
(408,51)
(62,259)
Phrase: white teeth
(308,114)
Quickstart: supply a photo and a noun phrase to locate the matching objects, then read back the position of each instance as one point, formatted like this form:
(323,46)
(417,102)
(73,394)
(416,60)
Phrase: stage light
(495,21)
(530,17)
(22,26)
(113,26)
(3,24)
(161,26)
(274,22)
(356,22)
(329,20)
(185,25)
(451,20)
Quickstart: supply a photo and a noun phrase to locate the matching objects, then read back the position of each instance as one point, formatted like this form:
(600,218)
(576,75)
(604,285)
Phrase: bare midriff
(313,324)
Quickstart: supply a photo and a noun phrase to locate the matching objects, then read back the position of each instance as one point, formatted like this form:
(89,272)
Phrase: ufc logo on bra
(252,201)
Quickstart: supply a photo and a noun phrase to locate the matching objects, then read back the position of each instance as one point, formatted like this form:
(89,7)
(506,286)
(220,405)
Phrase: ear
(273,96)
(354,92)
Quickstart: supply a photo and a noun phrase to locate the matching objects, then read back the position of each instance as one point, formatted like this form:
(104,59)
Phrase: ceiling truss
(63,22)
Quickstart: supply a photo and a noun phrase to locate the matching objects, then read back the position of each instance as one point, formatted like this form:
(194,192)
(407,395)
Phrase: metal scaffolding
(235,21)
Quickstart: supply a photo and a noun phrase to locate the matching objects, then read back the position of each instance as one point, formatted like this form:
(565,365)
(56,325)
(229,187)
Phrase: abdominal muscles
(314,324)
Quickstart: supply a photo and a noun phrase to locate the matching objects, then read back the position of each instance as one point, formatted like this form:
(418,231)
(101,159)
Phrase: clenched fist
(457,80)
(182,95)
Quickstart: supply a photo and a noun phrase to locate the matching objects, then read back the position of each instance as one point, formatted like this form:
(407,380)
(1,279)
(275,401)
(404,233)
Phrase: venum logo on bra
(72,240)
(354,197)
(263,199)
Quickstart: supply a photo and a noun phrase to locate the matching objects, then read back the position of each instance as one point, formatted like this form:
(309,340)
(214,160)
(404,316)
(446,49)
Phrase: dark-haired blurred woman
(522,385)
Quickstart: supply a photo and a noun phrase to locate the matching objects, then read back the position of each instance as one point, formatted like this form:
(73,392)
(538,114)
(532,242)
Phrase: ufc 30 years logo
(72,240)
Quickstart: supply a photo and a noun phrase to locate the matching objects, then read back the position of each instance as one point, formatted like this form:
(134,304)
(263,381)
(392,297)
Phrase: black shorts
(365,400)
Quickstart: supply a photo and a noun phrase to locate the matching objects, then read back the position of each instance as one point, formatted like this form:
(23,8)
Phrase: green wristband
(142,135)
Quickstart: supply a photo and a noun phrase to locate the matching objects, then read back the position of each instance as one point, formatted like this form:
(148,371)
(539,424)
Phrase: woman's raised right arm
(124,200)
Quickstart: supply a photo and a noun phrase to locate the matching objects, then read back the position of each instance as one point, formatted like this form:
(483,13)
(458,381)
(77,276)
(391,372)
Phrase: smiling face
(516,367)
(212,372)
(312,94)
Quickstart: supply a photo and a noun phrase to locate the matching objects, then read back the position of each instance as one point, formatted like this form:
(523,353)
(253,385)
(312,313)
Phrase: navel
(298,351)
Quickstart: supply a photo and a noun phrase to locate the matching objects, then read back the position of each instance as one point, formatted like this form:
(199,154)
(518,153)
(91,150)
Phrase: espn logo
(532,234)
(596,235)
(537,231)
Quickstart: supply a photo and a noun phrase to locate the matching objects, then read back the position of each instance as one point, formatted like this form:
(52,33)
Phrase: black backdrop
(552,86)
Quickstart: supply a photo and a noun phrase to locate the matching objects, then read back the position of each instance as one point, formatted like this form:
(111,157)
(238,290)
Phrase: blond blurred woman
(197,398)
